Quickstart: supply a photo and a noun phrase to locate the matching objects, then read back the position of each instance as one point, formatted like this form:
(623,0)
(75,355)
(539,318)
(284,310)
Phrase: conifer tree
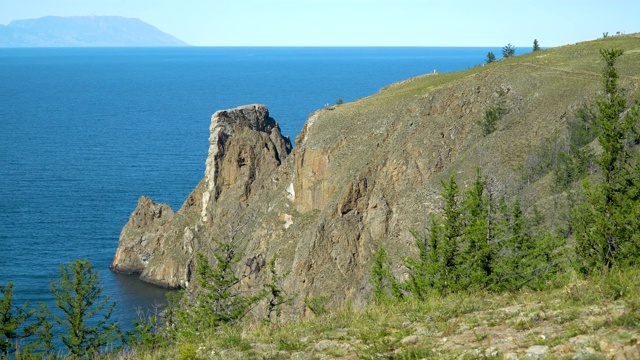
(478,253)
(536,45)
(521,239)
(508,51)
(425,273)
(491,57)
(86,313)
(480,243)
(451,232)
(217,300)
(605,222)
(43,332)
(385,286)
(13,321)
(276,295)
(510,267)
(40,345)
(146,334)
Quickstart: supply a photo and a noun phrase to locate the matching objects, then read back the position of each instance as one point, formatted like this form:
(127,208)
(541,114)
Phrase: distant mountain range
(84,31)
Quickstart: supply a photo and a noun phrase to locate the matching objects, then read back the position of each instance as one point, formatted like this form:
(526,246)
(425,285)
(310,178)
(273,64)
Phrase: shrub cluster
(481,242)
(84,312)
(493,114)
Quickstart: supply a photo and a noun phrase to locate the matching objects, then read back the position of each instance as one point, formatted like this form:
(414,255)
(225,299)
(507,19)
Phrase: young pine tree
(451,237)
(385,285)
(13,322)
(478,250)
(508,51)
(606,221)
(218,300)
(511,267)
(43,333)
(276,295)
(86,313)
(146,334)
(425,272)
(536,45)
(439,264)
(491,57)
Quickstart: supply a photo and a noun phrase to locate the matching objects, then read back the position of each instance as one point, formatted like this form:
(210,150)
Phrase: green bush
(188,351)
(493,114)
(317,304)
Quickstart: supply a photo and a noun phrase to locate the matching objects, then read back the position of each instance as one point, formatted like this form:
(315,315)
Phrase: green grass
(445,327)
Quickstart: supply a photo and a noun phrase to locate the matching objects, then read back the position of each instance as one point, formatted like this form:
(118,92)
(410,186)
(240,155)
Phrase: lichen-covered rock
(537,351)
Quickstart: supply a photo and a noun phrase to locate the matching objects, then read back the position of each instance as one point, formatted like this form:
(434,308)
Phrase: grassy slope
(428,123)
(598,316)
(545,85)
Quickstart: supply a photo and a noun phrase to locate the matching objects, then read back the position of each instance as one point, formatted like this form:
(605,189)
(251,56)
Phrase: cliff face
(246,149)
(361,175)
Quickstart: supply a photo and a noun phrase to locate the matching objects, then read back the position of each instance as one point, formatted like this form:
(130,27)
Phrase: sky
(357,22)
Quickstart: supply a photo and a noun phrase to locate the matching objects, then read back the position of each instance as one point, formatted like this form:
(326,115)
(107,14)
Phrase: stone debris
(537,351)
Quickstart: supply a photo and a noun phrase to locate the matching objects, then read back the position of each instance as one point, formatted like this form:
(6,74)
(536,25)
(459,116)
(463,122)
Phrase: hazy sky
(357,22)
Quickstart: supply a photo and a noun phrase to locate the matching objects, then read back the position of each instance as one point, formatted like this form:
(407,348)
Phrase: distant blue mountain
(83,31)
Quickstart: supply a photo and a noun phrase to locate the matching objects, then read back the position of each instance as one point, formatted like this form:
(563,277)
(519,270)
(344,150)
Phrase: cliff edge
(365,173)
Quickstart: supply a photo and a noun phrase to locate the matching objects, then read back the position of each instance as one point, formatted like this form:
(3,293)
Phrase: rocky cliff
(364,173)
(246,150)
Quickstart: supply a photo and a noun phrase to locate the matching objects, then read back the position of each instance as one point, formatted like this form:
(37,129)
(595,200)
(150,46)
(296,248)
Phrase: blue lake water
(85,132)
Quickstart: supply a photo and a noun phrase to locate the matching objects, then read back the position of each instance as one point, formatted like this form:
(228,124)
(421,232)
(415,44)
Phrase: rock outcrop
(361,175)
(246,149)
(141,236)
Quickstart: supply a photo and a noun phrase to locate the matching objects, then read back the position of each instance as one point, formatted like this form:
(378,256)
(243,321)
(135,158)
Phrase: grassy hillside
(399,144)
(594,318)
(391,151)
(543,89)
